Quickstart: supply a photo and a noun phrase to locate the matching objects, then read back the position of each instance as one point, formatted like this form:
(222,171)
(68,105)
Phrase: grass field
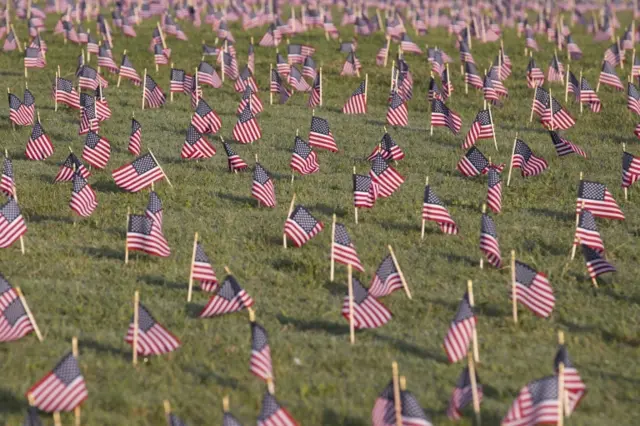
(77,284)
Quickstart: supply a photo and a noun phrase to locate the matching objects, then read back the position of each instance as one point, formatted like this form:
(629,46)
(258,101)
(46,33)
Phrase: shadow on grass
(337,329)
(193,310)
(451,257)
(335,288)
(412,349)
(108,186)
(10,403)
(553,214)
(104,349)
(205,374)
(237,198)
(287,265)
(401,226)
(607,336)
(46,218)
(330,417)
(161,282)
(104,252)
(329,210)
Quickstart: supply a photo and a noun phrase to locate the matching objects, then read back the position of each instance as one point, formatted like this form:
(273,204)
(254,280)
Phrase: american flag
(385,177)
(382,54)
(262,188)
(534,290)
(153,338)
(465,53)
(537,403)
(271,38)
(447,85)
(128,71)
(329,26)
(596,264)
(196,146)
(65,93)
(260,363)
(309,68)
(489,92)
(386,279)
(587,232)
(315,93)
(10,42)
(609,77)
(633,98)
(205,119)
(473,163)
(159,55)
(343,250)
(433,209)
(229,298)
(368,312)
(535,76)
(482,128)
(405,80)
(573,85)
(63,389)
(365,191)
(383,413)
(555,116)
(88,117)
(301,226)
(234,161)
(39,146)
(564,147)
(434,91)
(17,113)
(177,83)
(489,241)
(408,45)
(524,159)
(83,197)
(320,135)
(249,97)
(273,414)
(230,66)
(229,420)
(208,75)
(138,174)
(245,79)
(460,333)
(92,45)
(494,190)
(88,78)
(494,75)
(246,129)
(350,67)
(388,148)
(97,150)
(635,67)
(613,55)
(154,209)
(277,86)
(471,75)
(70,166)
(411,412)
(135,139)
(105,59)
(33,58)
(463,394)
(194,90)
(357,103)
(7,180)
(573,384)
(153,94)
(102,106)
(573,49)
(202,270)
(144,234)
(397,113)
(297,81)
(589,96)
(303,159)
(295,55)
(530,40)
(14,321)
(441,115)
(598,200)
(437,63)
(540,101)
(251,58)
(556,70)
(630,169)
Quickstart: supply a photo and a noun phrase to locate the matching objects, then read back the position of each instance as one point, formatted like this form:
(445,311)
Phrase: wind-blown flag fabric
(262,188)
(573,384)
(609,77)
(598,200)
(587,232)
(630,169)
(482,128)
(489,241)
(71,166)
(7,180)
(473,163)
(494,190)
(247,129)
(388,148)
(144,234)
(202,270)
(273,414)
(383,413)
(534,290)
(128,71)
(229,298)
(463,394)
(63,389)
(14,321)
(97,150)
(433,210)
(633,98)
(154,209)
(556,70)
(537,403)
(357,103)
(153,338)
(555,116)
(205,119)
(460,333)
(208,75)
(139,174)
(196,146)
(249,97)
(385,177)
(135,139)
(12,224)
(535,76)
(234,162)
(368,312)
(17,113)
(320,135)
(528,163)
(411,411)
(343,250)
(83,197)
(564,147)
(365,191)
(397,113)
(442,116)
(589,96)
(154,97)
(596,264)
(303,159)
(386,279)
(39,146)
(301,226)
(260,363)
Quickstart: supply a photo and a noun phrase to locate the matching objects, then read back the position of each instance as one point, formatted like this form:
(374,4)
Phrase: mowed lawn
(76,282)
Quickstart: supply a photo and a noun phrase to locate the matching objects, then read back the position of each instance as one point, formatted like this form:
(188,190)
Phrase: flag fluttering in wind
(263,189)
(564,147)
(196,146)
(630,169)
(246,129)
(7,180)
(301,226)
(532,289)
(482,128)
(537,403)
(463,394)
(489,241)
(97,150)
(153,338)
(460,333)
(397,113)
(135,138)
(145,235)
(441,116)
(273,414)
(525,160)
(494,190)
(260,363)
(473,163)
(139,174)
(386,280)
(229,298)
(573,384)
(63,389)
(154,97)
(320,135)
(14,320)
(609,77)
(234,162)
(343,250)
(368,312)
(303,159)
(385,177)
(205,119)
(596,198)
(433,210)
(39,146)
(596,263)
(202,270)
(357,102)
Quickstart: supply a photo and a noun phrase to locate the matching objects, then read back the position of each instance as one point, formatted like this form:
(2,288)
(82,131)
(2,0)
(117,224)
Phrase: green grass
(77,284)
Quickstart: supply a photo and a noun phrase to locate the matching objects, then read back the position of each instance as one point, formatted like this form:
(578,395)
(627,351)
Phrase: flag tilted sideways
(320,135)
(7,180)
(154,97)
(139,174)
(357,103)
(482,128)
(573,384)
(587,232)
(343,250)
(433,210)
(246,129)
(260,363)
(196,146)
(144,234)
(202,270)
(262,188)
(596,264)
(525,160)
(39,146)
(273,414)
(388,148)
(537,403)
(368,312)
(386,279)
(463,394)
(365,191)
(135,138)
(14,321)
(71,166)
(234,162)
(62,389)
(229,298)
(301,226)
(205,119)
(564,147)
(442,116)
(12,224)
(385,177)
(473,163)
(494,190)
(207,75)
(630,169)
(83,197)
(277,87)
(303,159)
(555,116)
(598,200)
(534,290)
(97,150)
(460,333)
(153,338)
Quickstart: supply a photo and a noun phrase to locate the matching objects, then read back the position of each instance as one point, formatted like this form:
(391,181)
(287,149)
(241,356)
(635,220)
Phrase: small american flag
(482,128)
(250,98)
(613,55)
(277,86)
(17,113)
(14,321)
(533,290)
(609,77)
(441,115)
(208,75)
(471,76)
(537,403)
(177,81)
(555,116)
(273,414)
(587,232)
(343,250)
(386,279)
(397,113)
(39,146)
(301,226)
(434,91)
(494,190)
(202,270)
(205,119)
(83,197)
(196,146)
(630,169)
(589,96)
(564,147)
(154,209)
(105,59)
(473,163)
(297,81)
(382,54)
(97,150)
(411,411)
(33,58)
(384,413)
(303,159)
(385,177)
(535,76)
(88,117)
(388,148)
(350,67)
(320,135)
(245,79)
(309,68)
(408,45)
(556,70)
(234,161)
(88,77)
(573,49)
(70,166)
(153,94)
(368,312)
(598,200)
(246,129)
(260,363)
(524,159)
(137,175)
(357,103)
(633,98)
(159,55)
(153,338)
(230,65)
(434,210)
(596,264)
(63,389)
(263,189)
(573,384)
(7,180)
(447,85)
(128,71)
(135,138)
(540,101)
(145,235)
(460,333)
(230,298)
(489,241)
(463,394)
(365,191)
(229,420)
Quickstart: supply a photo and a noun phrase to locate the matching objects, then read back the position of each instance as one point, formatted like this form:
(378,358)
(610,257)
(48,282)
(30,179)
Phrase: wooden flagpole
(29,314)
(493,129)
(396,394)
(397,265)
(352,332)
(576,241)
(551,107)
(160,167)
(366,84)
(626,192)
(355,209)
(170,91)
(333,238)
(126,241)
(386,57)
(620,53)
(476,352)
(284,235)
(136,321)
(321,88)
(598,85)
(271,387)
(561,394)
(167,408)
(426,183)
(270,90)
(222,62)
(474,387)
(566,86)
(56,418)
(484,210)
(193,259)
(120,75)
(225,404)
(580,97)
(144,86)
(513,151)
(16,37)
(55,90)
(514,301)
(393,65)
(535,92)
(74,348)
